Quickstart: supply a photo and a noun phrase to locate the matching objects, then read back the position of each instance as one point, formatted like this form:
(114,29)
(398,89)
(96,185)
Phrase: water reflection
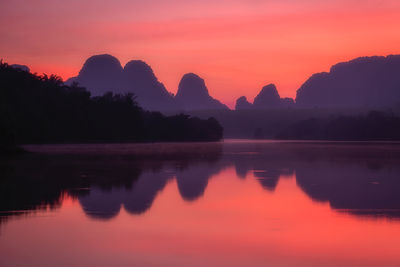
(104,179)
(359,179)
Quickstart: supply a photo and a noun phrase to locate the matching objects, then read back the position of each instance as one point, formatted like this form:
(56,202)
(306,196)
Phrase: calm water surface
(237,203)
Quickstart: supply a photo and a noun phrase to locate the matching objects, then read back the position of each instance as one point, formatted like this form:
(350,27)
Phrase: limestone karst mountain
(243,103)
(362,83)
(193,94)
(139,78)
(104,73)
(287,102)
(100,74)
(267,98)
(366,82)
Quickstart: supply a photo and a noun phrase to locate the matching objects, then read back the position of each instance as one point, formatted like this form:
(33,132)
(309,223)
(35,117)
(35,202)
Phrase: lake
(234,203)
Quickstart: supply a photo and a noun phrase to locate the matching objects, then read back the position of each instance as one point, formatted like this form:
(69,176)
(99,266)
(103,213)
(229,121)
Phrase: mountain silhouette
(100,74)
(104,73)
(243,103)
(287,102)
(369,82)
(139,78)
(366,82)
(193,94)
(267,98)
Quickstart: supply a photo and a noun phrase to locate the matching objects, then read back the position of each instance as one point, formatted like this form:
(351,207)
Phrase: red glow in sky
(237,46)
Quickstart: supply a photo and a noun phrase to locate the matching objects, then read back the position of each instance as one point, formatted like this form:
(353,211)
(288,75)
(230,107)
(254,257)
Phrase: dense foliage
(375,125)
(41,109)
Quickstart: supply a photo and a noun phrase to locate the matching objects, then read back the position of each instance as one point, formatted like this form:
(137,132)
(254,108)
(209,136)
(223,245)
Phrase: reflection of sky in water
(283,204)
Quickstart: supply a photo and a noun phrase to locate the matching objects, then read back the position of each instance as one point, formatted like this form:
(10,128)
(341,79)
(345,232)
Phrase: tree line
(372,126)
(42,109)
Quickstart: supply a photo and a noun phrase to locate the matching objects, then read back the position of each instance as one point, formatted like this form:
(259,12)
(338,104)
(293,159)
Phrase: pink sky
(237,46)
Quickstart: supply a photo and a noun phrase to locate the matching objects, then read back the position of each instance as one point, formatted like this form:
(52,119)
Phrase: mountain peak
(138,66)
(104,73)
(192,86)
(243,103)
(101,63)
(361,82)
(268,97)
(100,74)
(139,78)
(139,74)
(193,94)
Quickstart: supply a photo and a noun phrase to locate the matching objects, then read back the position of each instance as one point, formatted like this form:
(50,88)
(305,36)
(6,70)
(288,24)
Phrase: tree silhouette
(42,109)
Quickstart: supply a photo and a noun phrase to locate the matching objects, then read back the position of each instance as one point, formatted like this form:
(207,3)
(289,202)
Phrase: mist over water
(230,203)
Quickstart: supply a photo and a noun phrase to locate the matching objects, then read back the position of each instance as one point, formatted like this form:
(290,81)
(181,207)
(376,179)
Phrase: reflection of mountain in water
(103,179)
(358,189)
(360,179)
(136,200)
(192,182)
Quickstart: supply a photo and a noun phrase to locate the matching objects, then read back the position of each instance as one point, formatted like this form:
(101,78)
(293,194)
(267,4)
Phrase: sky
(237,46)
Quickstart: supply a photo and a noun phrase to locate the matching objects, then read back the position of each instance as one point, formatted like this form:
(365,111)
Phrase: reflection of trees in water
(361,180)
(102,183)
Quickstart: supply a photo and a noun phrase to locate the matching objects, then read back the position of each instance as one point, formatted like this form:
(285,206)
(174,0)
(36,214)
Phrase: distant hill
(373,126)
(242,103)
(193,94)
(104,73)
(367,82)
(362,83)
(266,99)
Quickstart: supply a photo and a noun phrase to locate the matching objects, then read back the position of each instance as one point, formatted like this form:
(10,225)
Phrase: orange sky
(237,46)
